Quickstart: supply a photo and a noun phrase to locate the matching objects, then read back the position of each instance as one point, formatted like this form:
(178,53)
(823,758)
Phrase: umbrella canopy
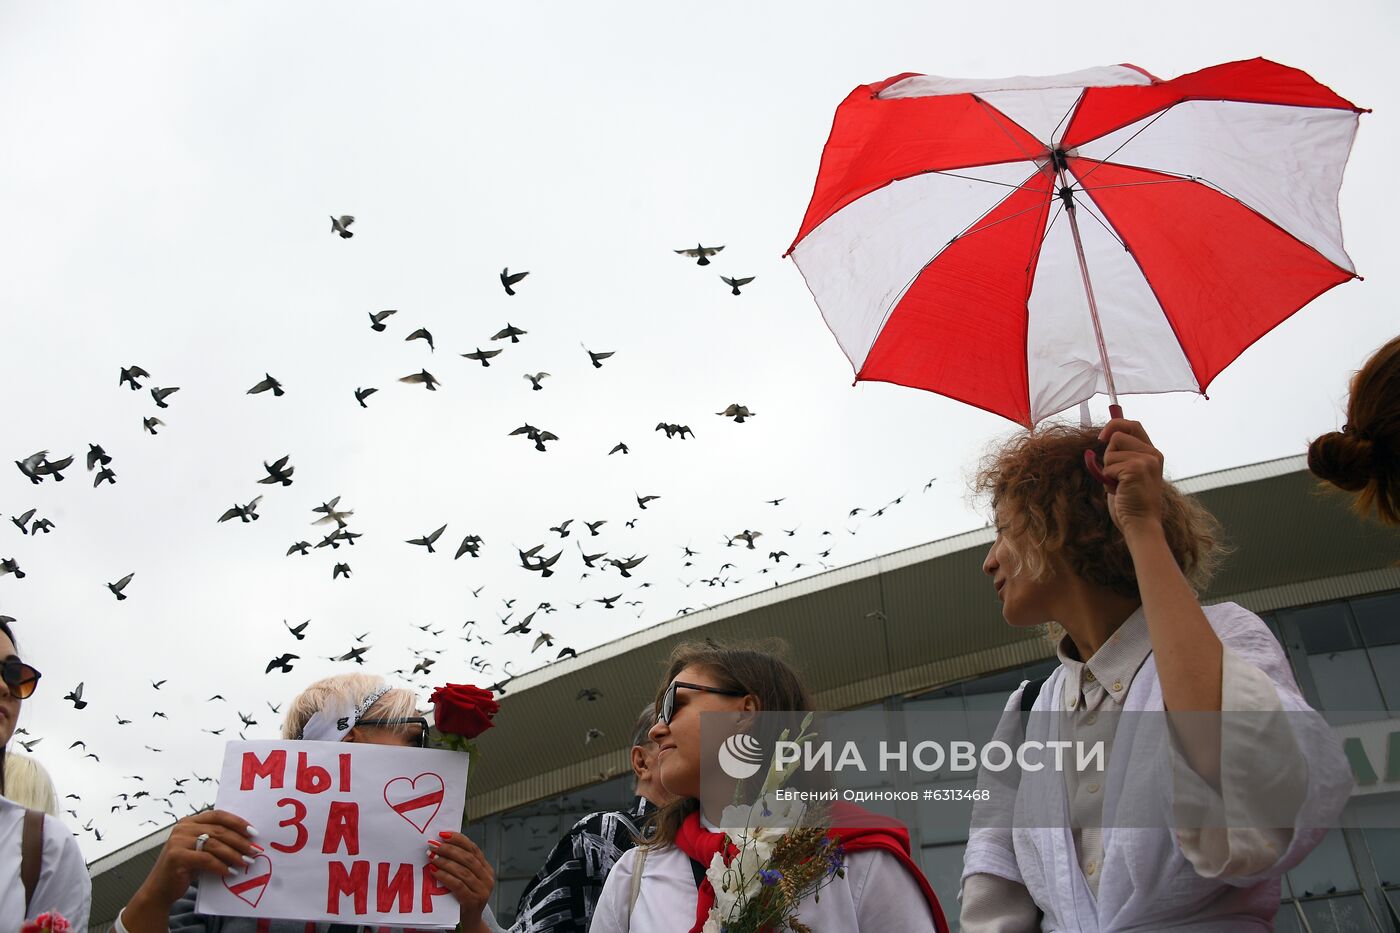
(956,226)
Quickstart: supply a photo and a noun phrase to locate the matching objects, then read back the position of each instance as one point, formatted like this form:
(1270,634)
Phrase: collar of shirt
(1112,668)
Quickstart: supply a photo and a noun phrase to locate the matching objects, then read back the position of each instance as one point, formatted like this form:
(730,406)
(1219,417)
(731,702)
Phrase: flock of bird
(542,560)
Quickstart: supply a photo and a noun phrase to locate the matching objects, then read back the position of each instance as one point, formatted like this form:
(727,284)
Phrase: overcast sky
(167,173)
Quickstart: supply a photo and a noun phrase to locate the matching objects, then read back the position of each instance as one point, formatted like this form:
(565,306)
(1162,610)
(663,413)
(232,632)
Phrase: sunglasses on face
(19,677)
(420,738)
(668,700)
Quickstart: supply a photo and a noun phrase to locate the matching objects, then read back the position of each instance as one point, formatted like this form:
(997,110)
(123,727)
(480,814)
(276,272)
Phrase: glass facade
(1346,657)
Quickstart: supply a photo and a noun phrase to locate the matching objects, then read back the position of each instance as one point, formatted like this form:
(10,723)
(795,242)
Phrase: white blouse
(878,895)
(63,885)
(1211,880)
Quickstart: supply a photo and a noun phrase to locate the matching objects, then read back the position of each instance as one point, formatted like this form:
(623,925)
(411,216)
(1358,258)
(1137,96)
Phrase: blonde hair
(354,689)
(28,784)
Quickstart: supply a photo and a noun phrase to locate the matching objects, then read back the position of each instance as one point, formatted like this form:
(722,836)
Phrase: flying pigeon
(422,334)
(278,472)
(737,412)
(96,455)
(150,424)
(508,279)
(597,358)
(130,374)
(701,254)
(160,395)
(482,356)
(735,283)
(428,540)
(428,379)
(535,380)
(511,331)
(376,320)
(120,585)
(76,696)
(284,663)
(341,225)
(362,394)
(267,383)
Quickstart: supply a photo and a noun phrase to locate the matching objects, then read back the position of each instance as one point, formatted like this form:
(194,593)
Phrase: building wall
(1346,657)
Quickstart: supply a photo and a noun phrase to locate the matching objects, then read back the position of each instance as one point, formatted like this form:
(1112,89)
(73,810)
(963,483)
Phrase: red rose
(461,709)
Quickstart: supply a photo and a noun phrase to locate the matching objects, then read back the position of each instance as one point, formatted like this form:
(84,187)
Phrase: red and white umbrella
(1022,244)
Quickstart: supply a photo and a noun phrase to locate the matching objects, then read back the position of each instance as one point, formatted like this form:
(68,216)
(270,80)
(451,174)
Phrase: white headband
(334,721)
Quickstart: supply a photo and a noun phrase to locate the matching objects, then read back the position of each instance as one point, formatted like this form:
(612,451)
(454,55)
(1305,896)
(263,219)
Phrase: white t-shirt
(878,895)
(63,885)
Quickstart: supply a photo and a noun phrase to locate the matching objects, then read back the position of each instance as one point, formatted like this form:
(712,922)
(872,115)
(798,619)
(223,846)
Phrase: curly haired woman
(1119,572)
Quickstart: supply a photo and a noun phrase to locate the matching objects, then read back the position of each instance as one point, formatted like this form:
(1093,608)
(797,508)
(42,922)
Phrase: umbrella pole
(1091,460)
(1115,410)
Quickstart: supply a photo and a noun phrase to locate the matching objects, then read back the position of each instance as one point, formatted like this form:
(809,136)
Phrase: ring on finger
(199,841)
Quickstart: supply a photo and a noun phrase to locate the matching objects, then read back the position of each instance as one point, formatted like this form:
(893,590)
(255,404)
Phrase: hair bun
(1343,459)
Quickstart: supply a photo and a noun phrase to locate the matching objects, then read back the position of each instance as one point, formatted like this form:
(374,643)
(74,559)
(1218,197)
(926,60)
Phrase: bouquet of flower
(52,922)
(782,854)
(461,712)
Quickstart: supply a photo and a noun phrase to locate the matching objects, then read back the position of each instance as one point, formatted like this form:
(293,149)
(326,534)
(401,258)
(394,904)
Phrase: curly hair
(1364,457)
(1047,503)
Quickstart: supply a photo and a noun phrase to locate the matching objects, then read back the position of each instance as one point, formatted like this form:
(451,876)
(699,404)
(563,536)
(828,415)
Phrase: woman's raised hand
(1136,465)
(229,849)
(462,869)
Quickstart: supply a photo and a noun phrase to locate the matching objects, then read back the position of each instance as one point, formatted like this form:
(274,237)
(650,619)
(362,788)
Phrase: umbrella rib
(1085,204)
(1136,184)
(1122,144)
(986,181)
(1072,107)
(968,231)
(1014,141)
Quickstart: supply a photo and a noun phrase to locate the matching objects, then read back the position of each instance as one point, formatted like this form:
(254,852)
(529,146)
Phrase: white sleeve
(610,914)
(889,898)
(64,884)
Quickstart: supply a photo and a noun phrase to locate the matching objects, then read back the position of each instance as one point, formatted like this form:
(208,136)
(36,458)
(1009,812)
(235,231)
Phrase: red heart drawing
(414,803)
(249,889)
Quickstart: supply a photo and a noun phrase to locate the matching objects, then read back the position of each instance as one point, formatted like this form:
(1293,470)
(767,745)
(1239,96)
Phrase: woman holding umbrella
(1119,573)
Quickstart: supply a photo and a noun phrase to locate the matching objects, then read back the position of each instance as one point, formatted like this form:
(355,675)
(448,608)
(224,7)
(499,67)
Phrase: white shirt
(63,885)
(1202,880)
(878,895)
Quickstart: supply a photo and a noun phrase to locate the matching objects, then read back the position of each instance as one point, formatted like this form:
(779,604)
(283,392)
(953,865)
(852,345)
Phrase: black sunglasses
(668,699)
(401,721)
(19,677)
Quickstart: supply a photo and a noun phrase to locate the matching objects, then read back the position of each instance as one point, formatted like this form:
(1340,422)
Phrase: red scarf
(857,830)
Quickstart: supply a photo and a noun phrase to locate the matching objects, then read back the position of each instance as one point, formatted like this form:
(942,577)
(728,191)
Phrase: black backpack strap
(1028,697)
(31,858)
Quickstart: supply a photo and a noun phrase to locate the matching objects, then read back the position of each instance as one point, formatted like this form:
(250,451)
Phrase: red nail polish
(432,868)
(434,842)
(444,835)
(256,846)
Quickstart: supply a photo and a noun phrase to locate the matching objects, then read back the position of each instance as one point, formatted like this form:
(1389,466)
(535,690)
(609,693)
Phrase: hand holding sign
(183,858)
(462,869)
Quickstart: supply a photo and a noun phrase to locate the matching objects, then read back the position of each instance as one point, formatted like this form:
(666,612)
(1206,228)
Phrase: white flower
(712,922)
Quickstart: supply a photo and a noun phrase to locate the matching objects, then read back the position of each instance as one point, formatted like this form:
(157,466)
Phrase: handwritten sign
(345,829)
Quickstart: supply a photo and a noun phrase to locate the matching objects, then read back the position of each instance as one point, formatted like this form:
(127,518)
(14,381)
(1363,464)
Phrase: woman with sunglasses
(660,886)
(343,708)
(59,880)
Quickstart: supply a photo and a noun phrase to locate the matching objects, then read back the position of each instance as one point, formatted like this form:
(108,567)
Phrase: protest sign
(344,828)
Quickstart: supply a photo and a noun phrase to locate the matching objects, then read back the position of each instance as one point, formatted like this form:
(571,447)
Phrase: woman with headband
(343,708)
